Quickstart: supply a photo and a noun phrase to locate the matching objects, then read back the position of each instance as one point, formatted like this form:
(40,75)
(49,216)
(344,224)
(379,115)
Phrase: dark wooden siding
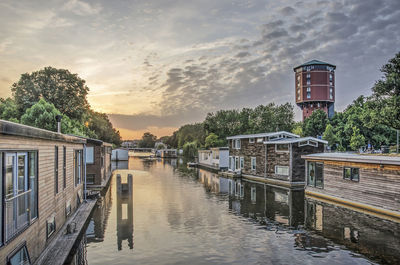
(298,163)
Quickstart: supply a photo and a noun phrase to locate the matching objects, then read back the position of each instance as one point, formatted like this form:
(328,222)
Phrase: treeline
(37,99)
(368,120)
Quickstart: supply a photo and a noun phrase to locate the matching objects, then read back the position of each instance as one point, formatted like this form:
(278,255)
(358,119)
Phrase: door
(21,188)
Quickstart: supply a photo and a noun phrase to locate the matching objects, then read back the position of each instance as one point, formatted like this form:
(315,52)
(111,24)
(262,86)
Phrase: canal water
(175,215)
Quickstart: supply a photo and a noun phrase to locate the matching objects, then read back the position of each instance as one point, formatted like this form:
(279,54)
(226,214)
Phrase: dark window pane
(319,175)
(355,174)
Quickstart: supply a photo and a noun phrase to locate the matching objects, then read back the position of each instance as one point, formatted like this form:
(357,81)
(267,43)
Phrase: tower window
(308,94)
(331,93)
(308,75)
(330,77)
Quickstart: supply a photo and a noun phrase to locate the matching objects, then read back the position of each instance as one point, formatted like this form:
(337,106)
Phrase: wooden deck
(56,253)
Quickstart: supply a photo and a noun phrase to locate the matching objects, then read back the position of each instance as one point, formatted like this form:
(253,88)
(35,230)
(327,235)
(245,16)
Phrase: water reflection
(124,211)
(185,215)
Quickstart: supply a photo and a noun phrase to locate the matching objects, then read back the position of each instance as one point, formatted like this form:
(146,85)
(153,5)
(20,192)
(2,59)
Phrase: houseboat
(98,163)
(120,154)
(42,186)
(274,158)
(367,182)
(168,153)
(216,158)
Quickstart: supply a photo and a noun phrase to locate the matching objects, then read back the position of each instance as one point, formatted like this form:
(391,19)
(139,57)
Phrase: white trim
(253,158)
(308,142)
(246,136)
(282,151)
(296,140)
(282,167)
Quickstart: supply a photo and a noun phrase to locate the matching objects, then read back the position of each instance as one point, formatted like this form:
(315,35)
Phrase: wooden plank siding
(378,185)
(49,203)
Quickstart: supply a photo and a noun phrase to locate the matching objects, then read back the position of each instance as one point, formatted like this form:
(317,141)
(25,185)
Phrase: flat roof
(351,157)
(16,129)
(269,134)
(295,140)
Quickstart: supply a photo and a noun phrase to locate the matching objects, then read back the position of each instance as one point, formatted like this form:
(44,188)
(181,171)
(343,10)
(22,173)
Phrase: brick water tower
(315,87)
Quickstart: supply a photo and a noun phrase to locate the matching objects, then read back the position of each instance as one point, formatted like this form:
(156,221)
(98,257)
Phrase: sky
(158,64)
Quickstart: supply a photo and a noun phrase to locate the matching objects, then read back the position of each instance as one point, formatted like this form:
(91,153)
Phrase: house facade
(283,158)
(247,152)
(214,158)
(363,181)
(98,163)
(42,176)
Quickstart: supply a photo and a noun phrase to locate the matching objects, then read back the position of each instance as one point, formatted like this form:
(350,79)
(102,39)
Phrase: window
(282,147)
(64,167)
(50,226)
(331,93)
(90,155)
(351,173)
(78,169)
(260,140)
(253,163)
(231,163)
(282,170)
(308,81)
(20,193)
(55,169)
(315,177)
(330,77)
(90,178)
(308,94)
(19,257)
(308,76)
(237,165)
(251,140)
(253,194)
(68,208)
(237,144)
(241,162)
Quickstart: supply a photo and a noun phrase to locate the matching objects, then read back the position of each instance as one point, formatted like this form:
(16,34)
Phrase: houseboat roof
(244,136)
(295,140)
(349,157)
(16,129)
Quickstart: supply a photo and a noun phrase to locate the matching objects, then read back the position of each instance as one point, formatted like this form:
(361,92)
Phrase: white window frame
(260,140)
(241,162)
(277,167)
(253,163)
(282,151)
(237,144)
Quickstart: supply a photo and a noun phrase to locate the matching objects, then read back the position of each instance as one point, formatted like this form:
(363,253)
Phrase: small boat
(192,164)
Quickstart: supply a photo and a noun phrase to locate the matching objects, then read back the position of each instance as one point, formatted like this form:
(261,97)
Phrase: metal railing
(17,214)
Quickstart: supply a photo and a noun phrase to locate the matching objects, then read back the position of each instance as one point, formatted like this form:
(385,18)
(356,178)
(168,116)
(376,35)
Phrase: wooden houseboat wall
(51,167)
(357,180)
(98,163)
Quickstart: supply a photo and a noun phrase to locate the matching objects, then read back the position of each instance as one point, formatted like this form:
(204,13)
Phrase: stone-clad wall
(276,159)
(248,150)
(298,163)
(49,203)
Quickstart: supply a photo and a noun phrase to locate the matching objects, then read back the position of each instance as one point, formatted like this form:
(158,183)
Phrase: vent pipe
(58,118)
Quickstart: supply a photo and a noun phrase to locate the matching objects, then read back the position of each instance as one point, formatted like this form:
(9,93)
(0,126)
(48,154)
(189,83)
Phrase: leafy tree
(43,115)
(315,124)
(357,140)
(329,135)
(189,133)
(66,91)
(8,110)
(298,128)
(102,127)
(386,94)
(148,140)
(212,140)
(190,149)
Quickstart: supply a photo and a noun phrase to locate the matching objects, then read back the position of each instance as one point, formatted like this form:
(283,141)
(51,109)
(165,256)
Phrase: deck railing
(17,214)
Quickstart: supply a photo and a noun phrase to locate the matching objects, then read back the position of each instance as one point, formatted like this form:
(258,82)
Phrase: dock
(57,252)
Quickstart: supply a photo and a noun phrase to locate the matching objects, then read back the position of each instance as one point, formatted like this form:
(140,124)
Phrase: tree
(386,94)
(8,110)
(298,128)
(102,127)
(329,135)
(212,140)
(148,140)
(43,115)
(357,140)
(190,149)
(66,91)
(315,124)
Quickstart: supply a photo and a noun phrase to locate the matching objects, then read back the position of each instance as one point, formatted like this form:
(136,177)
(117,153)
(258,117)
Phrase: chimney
(58,118)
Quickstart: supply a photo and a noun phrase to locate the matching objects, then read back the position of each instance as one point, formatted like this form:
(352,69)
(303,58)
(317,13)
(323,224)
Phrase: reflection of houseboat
(167,153)
(362,181)
(374,237)
(215,158)
(141,152)
(272,157)
(42,173)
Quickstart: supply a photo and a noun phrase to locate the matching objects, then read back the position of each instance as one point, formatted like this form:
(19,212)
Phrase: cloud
(82,8)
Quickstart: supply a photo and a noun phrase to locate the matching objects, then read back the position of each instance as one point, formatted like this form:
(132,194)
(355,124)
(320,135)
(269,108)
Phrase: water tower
(315,87)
